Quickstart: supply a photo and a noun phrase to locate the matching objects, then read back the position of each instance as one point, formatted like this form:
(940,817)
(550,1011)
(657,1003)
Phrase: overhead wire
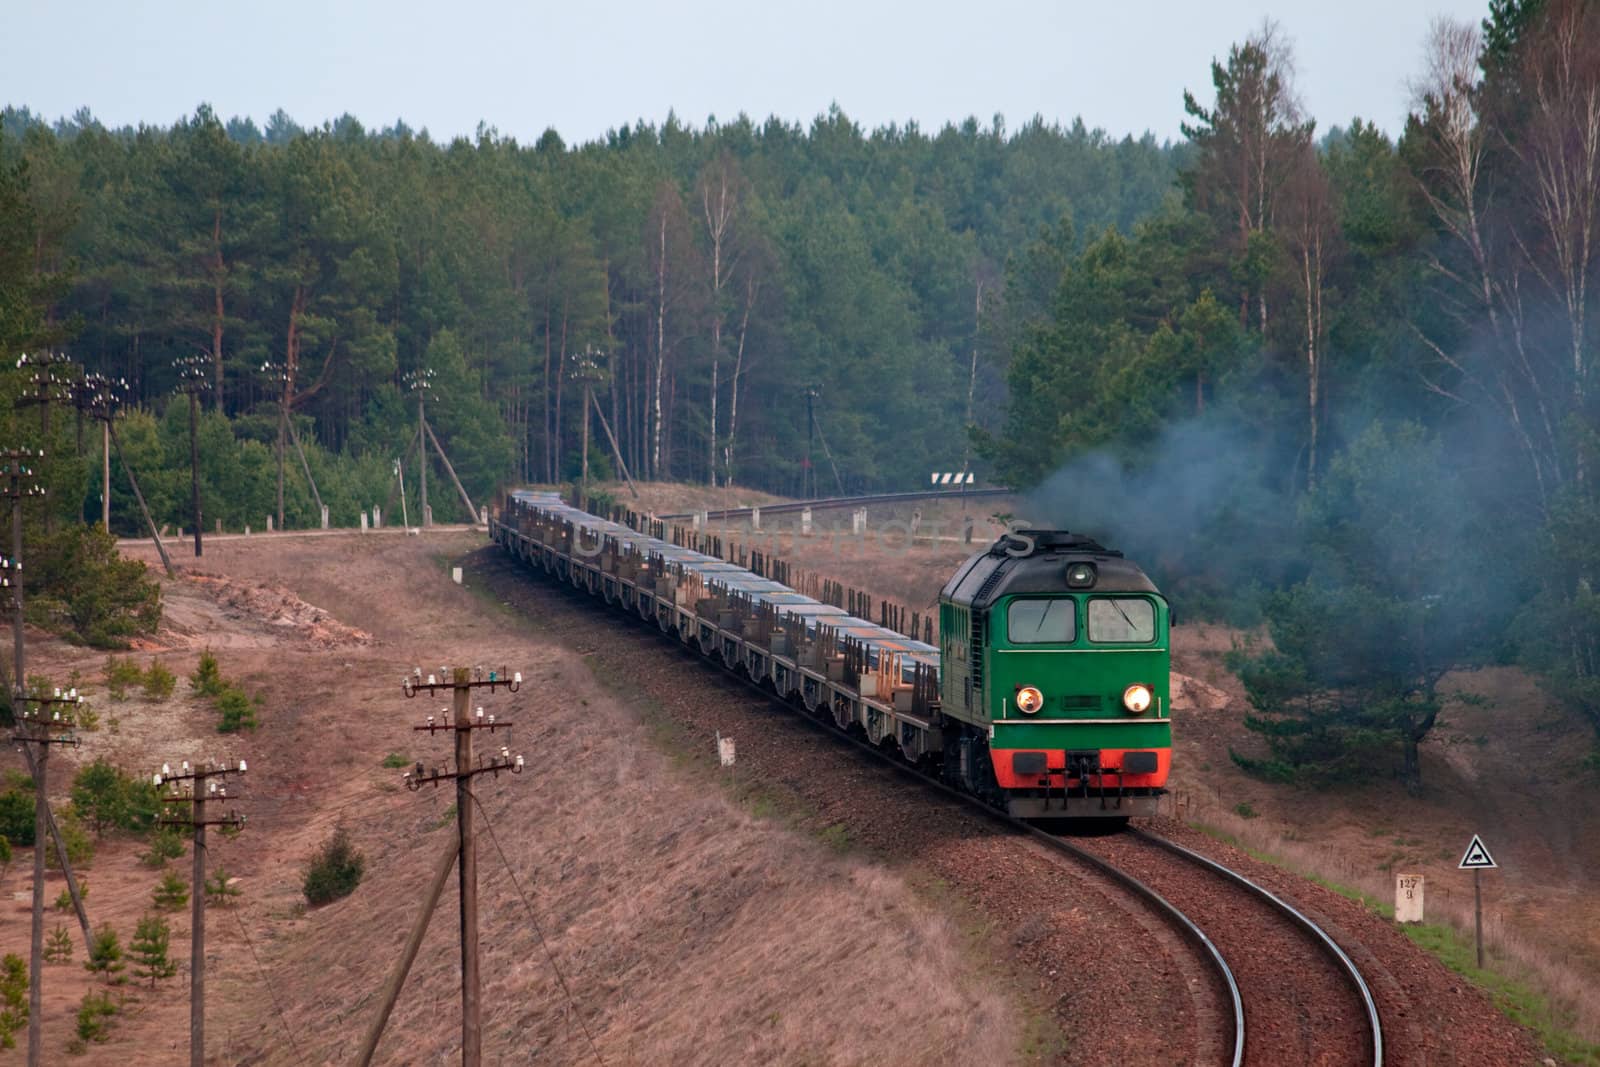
(572,1001)
(261,972)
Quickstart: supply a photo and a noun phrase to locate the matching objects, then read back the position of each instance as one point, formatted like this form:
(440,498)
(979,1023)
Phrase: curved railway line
(1288,992)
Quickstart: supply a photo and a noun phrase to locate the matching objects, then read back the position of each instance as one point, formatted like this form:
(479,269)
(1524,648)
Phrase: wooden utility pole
(17,484)
(808,489)
(471,1009)
(41,723)
(397,980)
(105,475)
(281,373)
(194,787)
(463,722)
(419,381)
(95,397)
(622,464)
(305,466)
(588,367)
(194,379)
(422,466)
(144,509)
(472,512)
(583,493)
(194,469)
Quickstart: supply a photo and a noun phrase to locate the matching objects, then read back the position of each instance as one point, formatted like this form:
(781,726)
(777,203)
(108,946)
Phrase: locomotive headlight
(1029,699)
(1136,698)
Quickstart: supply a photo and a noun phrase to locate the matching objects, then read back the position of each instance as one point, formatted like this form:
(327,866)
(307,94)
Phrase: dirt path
(685,929)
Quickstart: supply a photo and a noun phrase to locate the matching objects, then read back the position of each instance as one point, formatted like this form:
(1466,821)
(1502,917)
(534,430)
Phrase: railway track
(825,503)
(1288,1005)
(1302,999)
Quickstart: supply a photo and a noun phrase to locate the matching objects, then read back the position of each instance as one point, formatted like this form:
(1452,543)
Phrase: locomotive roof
(1036,561)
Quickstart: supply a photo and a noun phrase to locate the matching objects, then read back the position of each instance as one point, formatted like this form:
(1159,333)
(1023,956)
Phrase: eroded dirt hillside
(684,929)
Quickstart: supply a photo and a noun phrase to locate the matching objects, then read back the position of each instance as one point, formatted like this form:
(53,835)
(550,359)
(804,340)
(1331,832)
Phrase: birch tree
(721,192)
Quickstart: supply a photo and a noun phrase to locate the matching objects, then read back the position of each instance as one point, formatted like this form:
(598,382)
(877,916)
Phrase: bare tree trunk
(561,377)
(1311,278)
(661,349)
(972,372)
(549,469)
(719,203)
(291,363)
(751,287)
(711,438)
(217,275)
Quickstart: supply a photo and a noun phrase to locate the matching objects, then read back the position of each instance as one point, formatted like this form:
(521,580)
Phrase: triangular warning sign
(1477,857)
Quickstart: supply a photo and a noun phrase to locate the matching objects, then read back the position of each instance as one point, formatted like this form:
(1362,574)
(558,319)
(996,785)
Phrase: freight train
(1047,694)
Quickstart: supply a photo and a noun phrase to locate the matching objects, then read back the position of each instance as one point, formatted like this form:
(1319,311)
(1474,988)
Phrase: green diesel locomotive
(1054,685)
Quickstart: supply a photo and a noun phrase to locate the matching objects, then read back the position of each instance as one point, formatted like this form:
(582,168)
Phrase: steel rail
(1331,947)
(825,503)
(1169,912)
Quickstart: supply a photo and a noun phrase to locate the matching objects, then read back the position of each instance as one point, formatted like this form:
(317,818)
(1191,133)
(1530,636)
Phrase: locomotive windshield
(1122,620)
(1035,622)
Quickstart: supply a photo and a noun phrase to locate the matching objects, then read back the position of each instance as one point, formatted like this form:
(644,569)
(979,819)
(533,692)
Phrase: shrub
(170,893)
(335,870)
(64,898)
(16,812)
(165,844)
(149,949)
(207,677)
(394,761)
(88,591)
(59,948)
(159,681)
(95,1012)
(13,998)
(112,800)
(79,845)
(105,954)
(238,711)
(218,891)
(121,675)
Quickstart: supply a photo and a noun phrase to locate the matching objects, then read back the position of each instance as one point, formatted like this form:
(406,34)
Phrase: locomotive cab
(1054,679)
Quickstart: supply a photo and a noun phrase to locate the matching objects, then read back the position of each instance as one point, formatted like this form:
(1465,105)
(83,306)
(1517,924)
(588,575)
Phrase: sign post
(1408,890)
(1477,859)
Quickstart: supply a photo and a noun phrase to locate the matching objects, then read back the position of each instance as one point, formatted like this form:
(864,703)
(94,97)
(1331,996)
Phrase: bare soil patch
(685,929)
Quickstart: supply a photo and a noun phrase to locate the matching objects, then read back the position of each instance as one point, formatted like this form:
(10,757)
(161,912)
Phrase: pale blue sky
(583,68)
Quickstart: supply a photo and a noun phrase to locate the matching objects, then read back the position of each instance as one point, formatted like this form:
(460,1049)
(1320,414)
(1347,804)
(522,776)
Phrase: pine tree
(105,954)
(218,891)
(13,998)
(94,1011)
(149,949)
(59,948)
(171,894)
